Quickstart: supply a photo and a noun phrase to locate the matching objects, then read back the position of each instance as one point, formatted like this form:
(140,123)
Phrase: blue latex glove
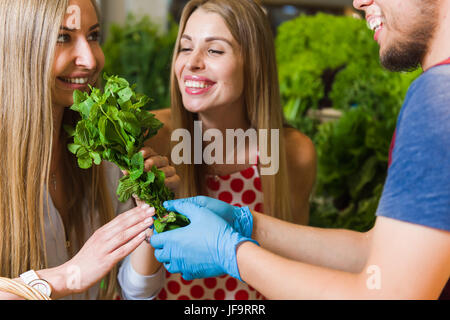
(205,248)
(241,219)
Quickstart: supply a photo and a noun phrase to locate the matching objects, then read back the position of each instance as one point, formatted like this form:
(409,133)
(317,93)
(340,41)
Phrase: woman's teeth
(196,84)
(76,80)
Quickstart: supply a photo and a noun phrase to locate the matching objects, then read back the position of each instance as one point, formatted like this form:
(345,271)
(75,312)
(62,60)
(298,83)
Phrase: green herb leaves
(114,126)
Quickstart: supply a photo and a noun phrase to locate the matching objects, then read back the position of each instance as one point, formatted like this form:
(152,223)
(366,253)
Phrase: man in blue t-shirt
(407,253)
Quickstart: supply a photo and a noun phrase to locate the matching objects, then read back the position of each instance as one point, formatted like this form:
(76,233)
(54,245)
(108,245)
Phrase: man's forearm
(331,248)
(279,278)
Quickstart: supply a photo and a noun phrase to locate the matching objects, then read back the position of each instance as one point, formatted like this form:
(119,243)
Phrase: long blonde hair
(250,27)
(28,35)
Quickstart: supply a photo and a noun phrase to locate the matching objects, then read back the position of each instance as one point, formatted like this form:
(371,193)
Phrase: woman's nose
(195,61)
(85,57)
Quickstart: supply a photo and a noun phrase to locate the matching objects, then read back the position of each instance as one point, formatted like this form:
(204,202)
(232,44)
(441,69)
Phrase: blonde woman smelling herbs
(224,75)
(56,219)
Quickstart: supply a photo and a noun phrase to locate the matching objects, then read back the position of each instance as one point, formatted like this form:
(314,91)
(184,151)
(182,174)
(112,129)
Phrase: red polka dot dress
(241,189)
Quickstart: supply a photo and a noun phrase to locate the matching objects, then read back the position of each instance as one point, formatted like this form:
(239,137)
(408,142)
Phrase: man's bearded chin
(408,53)
(406,56)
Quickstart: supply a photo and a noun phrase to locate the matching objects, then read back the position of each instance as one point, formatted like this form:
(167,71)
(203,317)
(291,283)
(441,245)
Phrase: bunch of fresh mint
(114,126)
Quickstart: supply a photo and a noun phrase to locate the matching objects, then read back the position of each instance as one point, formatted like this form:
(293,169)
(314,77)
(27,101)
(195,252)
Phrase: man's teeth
(196,84)
(375,24)
(76,80)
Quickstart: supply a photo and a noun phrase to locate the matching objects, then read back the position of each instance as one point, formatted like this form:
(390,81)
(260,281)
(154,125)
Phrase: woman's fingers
(126,220)
(129,217)
(138,201)
(151,158)
(111,243)
(168,171)
(134,233)
(148,152)
(124,250)
(158,161)
(125,235)
(173,182)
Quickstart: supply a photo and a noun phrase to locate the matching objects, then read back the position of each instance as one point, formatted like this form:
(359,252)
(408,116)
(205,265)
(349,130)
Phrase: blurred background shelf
(116,11)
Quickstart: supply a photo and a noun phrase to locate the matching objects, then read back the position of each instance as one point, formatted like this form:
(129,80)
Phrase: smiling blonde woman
(224,75)
(54,217)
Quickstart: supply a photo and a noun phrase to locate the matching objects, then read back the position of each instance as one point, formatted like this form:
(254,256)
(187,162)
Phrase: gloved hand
(205,248)
(241,219)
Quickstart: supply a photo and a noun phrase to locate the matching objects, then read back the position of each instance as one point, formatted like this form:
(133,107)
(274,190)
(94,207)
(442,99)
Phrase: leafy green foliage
(311,50)
(140,53)
(333,61)
(113,127)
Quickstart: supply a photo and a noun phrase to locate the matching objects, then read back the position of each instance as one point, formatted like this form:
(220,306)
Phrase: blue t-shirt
(417,189)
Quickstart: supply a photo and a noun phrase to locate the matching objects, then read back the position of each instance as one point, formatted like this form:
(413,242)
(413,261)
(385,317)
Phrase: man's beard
(408,54)
(404,56)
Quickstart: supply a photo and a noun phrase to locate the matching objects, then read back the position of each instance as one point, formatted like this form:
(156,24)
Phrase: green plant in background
(311,51)
(332,61)
(140,53)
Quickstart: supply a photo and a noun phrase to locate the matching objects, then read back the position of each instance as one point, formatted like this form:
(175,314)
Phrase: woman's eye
(185,49)
(63,38)
(95,36)
(215,51)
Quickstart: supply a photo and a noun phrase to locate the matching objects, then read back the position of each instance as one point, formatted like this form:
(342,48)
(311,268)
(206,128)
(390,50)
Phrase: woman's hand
(106,247)
(151,158)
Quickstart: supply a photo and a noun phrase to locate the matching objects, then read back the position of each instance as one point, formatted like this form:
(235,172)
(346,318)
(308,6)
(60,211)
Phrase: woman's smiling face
(79,58)
(209,68)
